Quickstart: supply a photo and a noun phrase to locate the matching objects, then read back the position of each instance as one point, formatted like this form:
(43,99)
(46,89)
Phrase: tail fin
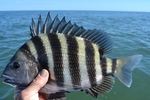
(125,67)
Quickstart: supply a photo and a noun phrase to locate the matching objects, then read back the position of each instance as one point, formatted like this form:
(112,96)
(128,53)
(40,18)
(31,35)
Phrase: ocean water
(130,32)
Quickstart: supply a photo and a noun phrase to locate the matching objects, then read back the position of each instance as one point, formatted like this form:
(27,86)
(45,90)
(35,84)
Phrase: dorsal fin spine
(67,27)
(33,27)
(54,24)
(61,25)
(39,25)
(47,23)
(79,31)
(73,30)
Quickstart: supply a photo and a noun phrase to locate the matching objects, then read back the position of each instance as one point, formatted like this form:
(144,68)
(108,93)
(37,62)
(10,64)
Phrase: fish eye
(16,65)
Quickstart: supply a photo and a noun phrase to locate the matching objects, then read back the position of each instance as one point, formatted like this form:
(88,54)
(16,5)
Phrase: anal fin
(92,93)
(104,87)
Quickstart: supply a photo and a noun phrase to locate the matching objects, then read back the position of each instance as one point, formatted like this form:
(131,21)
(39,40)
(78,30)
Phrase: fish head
(20,71)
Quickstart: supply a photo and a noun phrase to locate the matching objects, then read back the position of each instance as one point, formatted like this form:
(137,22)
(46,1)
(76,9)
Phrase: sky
(106,5)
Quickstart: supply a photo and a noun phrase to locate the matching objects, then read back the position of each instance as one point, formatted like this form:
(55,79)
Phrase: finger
(38,82)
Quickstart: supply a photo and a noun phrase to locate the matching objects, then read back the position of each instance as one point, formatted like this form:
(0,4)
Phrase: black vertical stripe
(90,62)
(25,49)
(73,60)
(114,63)
(57,57)
(41,52)
(103,65)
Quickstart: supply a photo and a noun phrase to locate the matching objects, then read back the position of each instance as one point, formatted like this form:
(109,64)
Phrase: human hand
(32,91)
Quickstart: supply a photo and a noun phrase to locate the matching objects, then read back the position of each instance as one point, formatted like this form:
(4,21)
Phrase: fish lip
(5,76)
(8,79)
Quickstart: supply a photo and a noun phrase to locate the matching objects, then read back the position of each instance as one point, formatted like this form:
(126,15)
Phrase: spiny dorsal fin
(99,37)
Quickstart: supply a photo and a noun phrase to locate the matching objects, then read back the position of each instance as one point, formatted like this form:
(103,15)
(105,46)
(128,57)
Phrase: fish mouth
(8,79)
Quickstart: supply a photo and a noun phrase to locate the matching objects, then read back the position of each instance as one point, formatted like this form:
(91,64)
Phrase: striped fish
(74,57)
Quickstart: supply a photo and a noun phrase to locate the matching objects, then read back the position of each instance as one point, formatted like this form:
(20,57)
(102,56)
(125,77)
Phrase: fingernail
(43,73)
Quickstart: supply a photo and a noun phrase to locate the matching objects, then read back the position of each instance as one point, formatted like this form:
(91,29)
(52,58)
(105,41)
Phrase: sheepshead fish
(74,57)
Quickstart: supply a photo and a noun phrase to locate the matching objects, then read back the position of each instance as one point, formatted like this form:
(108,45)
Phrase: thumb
(38,82)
